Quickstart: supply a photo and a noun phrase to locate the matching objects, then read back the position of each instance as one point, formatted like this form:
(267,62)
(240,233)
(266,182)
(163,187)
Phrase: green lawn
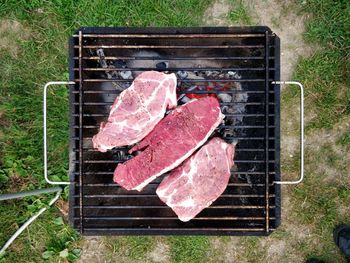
(322,201)
(40,47)
(33,50)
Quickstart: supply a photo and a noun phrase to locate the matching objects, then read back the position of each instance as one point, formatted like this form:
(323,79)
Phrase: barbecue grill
(240,66)
(251,203)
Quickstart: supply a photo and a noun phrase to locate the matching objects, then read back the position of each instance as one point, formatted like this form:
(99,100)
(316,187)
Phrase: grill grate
(251,203)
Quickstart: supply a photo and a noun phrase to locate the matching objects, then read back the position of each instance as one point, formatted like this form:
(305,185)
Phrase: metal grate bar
(267,85)
(151,183)
(222,103)
(187,80)
(171,218)
(227,137)
(173,58)
(252,150)
(227,114)
(169,35)
(81,163)
(137,230)
(154,195)
(116,161)
(236,172)
(175,69)
(236,150)
(166,207)
(117,92)
(173,46)
(222,126)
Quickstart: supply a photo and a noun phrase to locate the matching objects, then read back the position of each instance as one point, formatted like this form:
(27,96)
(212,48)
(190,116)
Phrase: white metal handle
(45,128)
(301,131)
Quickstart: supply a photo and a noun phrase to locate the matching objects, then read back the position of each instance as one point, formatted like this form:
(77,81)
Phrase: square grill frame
(76,157)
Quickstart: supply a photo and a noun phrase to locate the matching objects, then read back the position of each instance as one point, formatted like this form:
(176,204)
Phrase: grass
(344,139)
(252,251)
(188,249)
(326,83)
(320,201)
(48,238)
(320,212)
(41,57)
(240,13)
(131,248)
(323,198)
(326,74)
(138,248)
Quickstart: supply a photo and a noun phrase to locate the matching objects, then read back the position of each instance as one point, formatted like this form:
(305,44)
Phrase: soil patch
(63,207)
(11,31)
(160,253)
(230,250)
(276,14)
(288,25)
(93,250)
(216,14)
(338,172)
(19,183)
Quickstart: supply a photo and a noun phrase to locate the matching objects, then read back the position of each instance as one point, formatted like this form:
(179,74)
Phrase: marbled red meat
(199,181)
(137,110)
(171,142)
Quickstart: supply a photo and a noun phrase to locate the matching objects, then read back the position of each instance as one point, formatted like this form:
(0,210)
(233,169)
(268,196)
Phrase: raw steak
(137,110)
(199,181)
(171,142)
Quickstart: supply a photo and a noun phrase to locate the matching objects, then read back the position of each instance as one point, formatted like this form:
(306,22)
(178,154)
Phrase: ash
(230,93)
(115,74)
